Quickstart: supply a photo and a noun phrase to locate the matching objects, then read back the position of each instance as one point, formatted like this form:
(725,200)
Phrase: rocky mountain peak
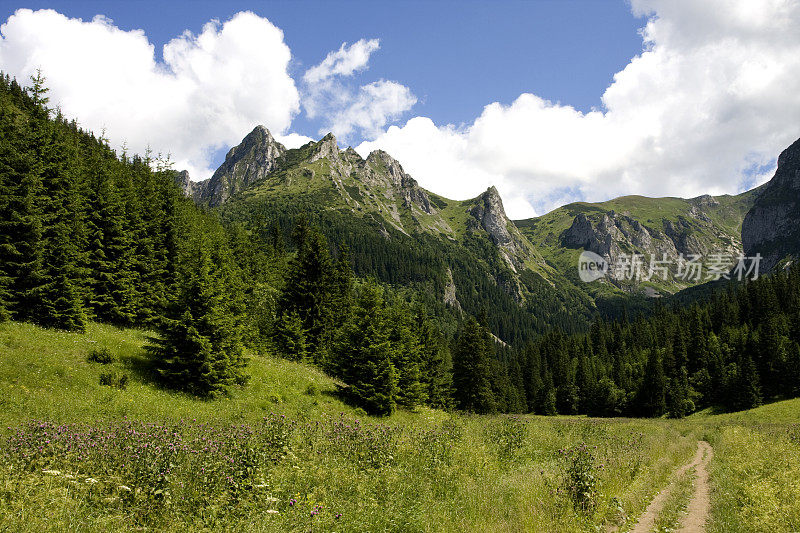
(382,169)
(705,200)
(770,227)
(492,215)
(251,160)
(489,212)
(393,168)
(326,148)
(260,137)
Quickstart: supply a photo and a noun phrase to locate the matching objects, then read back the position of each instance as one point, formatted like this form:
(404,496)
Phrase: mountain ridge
(378,188)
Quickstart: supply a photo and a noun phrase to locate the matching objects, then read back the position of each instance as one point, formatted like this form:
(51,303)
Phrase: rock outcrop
(450,298)
(613,235)
(379,166)
(325,148)
(256,156)
(772,226)
(488,211)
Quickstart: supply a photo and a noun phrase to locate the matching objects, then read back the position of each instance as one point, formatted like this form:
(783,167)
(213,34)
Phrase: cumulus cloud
(343,62)
(345,110)
(209,91)
(293,140)
(705,108)
(375,104)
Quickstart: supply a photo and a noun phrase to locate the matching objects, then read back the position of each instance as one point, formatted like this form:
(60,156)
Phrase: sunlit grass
(415,471)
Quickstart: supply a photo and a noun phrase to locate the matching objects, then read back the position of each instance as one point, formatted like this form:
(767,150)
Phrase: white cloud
(714,95)
(343,62)
(345,110)
(211,89)
(293,140)
(376,104)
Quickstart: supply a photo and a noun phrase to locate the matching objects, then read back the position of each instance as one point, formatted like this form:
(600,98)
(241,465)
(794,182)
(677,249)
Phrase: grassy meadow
(284,454)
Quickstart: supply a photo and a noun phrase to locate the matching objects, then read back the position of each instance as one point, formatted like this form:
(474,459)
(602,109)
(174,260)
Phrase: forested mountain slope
(459,255)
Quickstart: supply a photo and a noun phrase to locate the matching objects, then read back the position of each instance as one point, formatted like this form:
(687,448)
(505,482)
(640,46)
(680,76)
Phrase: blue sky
(551,101)
(455,56)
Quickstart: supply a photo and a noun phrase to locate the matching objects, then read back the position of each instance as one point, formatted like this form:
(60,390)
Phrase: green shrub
(580,480)
(118,380)
(102,356)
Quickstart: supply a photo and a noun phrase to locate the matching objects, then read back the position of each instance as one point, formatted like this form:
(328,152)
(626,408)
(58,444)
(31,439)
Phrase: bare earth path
(697,511)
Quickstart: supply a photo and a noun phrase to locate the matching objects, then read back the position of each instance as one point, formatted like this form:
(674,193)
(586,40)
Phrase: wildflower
(272,511)
(124,487)
(52,472)
(90,480)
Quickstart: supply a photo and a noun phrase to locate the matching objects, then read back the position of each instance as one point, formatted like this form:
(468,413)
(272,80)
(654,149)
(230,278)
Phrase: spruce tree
(111,280)
(22,244)
(747,393)
(546,404)
(792,371)
(308,289)
(677,398)
(290,337)
(363,355)
(652,392)
(60,302)
(436,376)
(199,349)
(406,358)
(471,369)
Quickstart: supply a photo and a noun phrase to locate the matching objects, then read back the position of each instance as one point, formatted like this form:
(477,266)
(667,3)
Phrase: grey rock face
(492,216)
(255,157)
(326,148)
(450,298)
(613,235)
(404,184)
(599,236)
(772,226)
(512,245)
(191,189)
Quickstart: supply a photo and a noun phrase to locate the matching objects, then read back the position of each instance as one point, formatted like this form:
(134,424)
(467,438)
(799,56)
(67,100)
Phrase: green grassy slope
(44,374)
(756,468)
(420,471)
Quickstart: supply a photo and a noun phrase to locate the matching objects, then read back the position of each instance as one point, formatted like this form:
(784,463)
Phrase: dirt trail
(697,512)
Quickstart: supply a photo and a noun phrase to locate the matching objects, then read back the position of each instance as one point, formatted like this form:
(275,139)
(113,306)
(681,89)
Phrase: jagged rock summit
(491,215)
(256,156)
(772,227)
(376,190)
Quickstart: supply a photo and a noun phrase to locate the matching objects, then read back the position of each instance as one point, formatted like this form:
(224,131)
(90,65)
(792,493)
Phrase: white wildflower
(52,472)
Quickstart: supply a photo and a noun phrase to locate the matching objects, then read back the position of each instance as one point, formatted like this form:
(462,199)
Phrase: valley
(422,470)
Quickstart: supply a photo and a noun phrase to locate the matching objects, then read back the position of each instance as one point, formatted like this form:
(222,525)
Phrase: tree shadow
(143,369)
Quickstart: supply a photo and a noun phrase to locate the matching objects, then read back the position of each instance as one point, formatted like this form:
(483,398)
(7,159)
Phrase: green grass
(415,471)
(45,374)
(669,519)
(755,473)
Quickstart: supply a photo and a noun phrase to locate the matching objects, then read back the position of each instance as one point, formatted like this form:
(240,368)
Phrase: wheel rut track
(699,505)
